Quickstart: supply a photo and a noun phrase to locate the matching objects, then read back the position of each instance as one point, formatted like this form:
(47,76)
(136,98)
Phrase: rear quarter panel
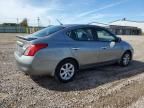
(47,59)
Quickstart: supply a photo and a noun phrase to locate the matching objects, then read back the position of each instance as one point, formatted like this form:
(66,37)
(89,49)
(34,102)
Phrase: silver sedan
(60,51)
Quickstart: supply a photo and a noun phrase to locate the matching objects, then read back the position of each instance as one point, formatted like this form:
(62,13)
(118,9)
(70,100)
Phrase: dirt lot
(107,86)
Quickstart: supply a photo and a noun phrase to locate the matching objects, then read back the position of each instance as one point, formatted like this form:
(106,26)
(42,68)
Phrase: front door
(109,49)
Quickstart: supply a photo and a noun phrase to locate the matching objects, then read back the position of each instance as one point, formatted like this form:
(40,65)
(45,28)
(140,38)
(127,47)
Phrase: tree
(24,23)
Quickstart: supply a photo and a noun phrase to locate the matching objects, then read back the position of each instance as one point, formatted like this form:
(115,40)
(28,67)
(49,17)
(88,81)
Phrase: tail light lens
(32,49)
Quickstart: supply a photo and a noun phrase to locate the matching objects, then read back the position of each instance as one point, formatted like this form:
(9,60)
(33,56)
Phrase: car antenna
(59,22)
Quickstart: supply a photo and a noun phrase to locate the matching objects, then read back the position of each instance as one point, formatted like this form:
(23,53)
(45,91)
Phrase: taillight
(32,49)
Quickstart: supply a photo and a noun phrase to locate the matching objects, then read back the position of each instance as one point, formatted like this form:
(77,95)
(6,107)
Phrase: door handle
(103,47)
(75,48)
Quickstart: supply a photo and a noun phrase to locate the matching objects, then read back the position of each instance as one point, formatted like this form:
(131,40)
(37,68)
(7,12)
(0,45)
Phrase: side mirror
(112,44)
(118,39)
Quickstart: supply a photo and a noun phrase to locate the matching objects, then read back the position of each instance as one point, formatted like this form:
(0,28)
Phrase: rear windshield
(47,31)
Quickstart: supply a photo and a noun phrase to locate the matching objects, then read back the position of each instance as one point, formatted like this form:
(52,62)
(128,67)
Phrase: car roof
(79,25)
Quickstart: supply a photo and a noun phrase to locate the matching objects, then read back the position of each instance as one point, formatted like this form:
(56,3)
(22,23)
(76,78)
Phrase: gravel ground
(101,87)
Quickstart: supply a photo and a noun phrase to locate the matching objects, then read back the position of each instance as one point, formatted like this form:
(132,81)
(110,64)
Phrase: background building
(127,27)
(123,27)
(125,30)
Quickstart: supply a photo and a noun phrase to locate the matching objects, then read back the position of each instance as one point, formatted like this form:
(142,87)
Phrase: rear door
(84,49)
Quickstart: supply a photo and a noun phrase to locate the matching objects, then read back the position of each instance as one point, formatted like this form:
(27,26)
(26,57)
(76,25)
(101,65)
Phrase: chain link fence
(19,29)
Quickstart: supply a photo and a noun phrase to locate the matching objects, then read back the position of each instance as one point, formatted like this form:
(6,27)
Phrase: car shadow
(92,77)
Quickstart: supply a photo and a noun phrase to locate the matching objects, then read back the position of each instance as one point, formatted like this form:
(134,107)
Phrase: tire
(66,71)
(125,59)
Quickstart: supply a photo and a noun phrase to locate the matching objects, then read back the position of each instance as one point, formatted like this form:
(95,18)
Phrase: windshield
(47,31)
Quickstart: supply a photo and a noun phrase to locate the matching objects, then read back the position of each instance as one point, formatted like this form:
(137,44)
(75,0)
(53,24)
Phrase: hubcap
(126,59)
(67,71)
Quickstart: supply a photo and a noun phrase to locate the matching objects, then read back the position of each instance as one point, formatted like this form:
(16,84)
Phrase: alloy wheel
(67,71)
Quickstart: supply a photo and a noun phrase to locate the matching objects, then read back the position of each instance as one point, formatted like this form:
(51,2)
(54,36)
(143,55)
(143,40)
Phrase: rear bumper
(24,63)
(32,66)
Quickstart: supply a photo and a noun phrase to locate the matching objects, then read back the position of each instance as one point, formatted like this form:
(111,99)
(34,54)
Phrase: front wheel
(126,59)
(66,71)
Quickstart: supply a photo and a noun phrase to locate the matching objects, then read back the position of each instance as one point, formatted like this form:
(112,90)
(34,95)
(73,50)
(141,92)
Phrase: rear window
(47,31)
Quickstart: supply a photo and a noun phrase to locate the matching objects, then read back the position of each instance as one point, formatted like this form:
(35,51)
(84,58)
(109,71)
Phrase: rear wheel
(126,59)
(66,71)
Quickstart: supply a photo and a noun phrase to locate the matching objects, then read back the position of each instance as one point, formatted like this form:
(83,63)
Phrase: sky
(70,11)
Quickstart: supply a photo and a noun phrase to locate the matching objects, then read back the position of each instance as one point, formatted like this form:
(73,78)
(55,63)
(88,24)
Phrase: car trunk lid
(22,43)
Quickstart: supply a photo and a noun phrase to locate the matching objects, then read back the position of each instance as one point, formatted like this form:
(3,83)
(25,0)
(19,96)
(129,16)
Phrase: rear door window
(82,34)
